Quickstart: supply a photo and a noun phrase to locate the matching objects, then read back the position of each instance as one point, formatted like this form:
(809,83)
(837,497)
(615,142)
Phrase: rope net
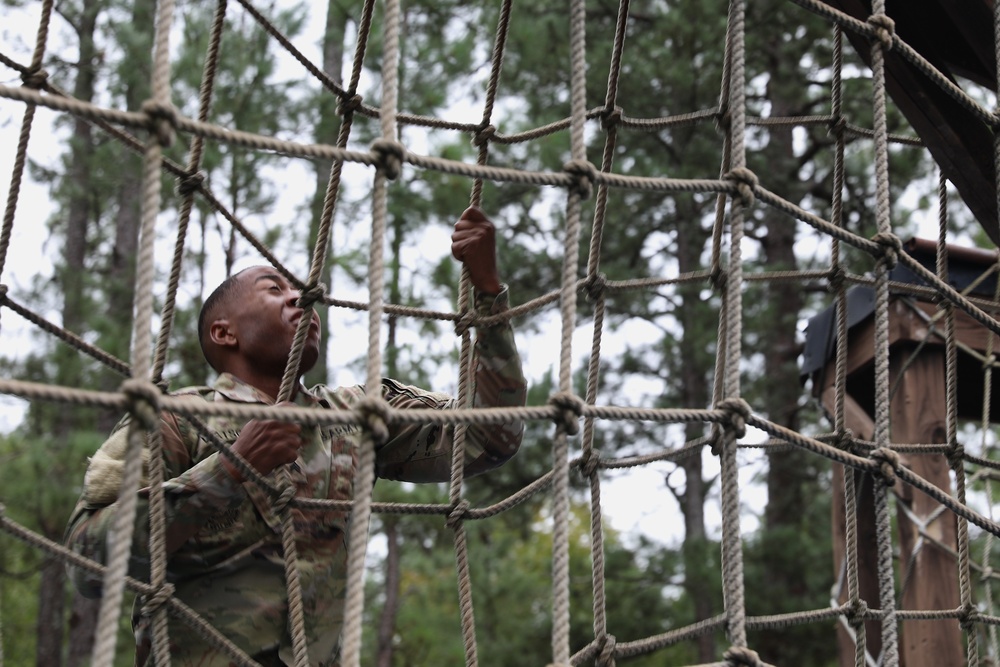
(884,465)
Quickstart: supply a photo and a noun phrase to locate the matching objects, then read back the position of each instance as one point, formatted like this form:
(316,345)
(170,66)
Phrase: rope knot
(746,182)
(162,120)
(741,655)
(388,157)
(723,119)
(36,79)
(188,184)
(310,295)
(968,616)
(284,499)
(606,656)
(844,440)
(484,135)
(718,277)
(738,411)
(570,410)
(837,126)
(889,462)
(611,117)
(590,462)
(457,513)
(984,576)
(584,175)
(596,284)
(143,401)
(891,247)
(836,278)
(956,455)
(374,413)
(884,27)
(856,612)
(348,105)
(464,322)
(160,597)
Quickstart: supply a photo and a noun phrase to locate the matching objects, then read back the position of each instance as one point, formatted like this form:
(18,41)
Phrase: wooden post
(862,426)
(918,414)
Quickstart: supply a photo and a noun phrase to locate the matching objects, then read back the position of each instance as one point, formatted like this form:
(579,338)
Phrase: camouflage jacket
(229,566)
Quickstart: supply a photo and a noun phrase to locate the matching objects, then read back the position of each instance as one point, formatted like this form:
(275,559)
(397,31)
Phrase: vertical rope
(592,470)
(365,479)
(124,521)
(158,565)
(499,47)
(161,639)
(840,382)
(560,453)
(188,188)
(955,450)
(158,548)
(464,395)
(291,374)
(732,555)
(989,362)
(887,596)
(20,157)
(881,352)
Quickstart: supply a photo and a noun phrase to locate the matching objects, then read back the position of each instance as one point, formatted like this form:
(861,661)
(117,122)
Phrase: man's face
(265,317)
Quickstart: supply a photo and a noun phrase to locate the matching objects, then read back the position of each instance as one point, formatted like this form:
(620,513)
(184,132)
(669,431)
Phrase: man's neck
(266,384)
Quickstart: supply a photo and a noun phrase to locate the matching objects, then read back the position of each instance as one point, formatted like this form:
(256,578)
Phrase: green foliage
(510,561)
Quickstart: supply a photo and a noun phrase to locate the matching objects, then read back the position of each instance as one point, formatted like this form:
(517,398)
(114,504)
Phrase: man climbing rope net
(223,538)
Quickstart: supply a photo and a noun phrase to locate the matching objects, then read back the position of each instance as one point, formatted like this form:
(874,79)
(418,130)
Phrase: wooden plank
(860,423)
(906,325)
(918,415)
(961,144)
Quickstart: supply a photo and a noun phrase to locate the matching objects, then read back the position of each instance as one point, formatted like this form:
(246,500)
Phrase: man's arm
(193,495)
(422,453)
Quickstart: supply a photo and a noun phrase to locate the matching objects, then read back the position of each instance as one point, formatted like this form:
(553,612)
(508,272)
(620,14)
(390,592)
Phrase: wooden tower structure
(927,567)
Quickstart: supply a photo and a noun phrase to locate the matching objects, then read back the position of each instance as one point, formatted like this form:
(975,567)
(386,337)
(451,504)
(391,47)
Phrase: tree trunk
(792,481)
(326,132)
(51,604)
(387,620)
(121,268)
(82,628)
(51,607)
(78,214)
(691,241)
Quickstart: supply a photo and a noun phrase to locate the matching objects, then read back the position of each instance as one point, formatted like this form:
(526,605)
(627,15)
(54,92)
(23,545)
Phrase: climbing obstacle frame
(875,457)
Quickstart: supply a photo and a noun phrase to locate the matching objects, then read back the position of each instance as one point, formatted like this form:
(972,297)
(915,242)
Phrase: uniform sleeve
(422,452)
(192,495)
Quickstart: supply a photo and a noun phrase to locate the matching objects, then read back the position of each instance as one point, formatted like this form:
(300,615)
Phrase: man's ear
(221,334)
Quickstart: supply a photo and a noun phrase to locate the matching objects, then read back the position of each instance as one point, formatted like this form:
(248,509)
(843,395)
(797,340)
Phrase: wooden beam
(960,143)
(860,423)
(918,415)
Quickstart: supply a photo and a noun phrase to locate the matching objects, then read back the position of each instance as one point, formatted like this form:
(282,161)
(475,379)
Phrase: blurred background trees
(673,64)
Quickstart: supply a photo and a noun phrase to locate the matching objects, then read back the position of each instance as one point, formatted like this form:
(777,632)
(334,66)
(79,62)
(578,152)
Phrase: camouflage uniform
(228,564)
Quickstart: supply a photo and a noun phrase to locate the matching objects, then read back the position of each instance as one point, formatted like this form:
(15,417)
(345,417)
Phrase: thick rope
(188,187)
(580,178)
(732,554)
(591,458)
(124,521)
(560,452)
(358,539)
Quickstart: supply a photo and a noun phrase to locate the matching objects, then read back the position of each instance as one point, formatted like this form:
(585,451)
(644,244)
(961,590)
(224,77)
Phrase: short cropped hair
(220,297)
